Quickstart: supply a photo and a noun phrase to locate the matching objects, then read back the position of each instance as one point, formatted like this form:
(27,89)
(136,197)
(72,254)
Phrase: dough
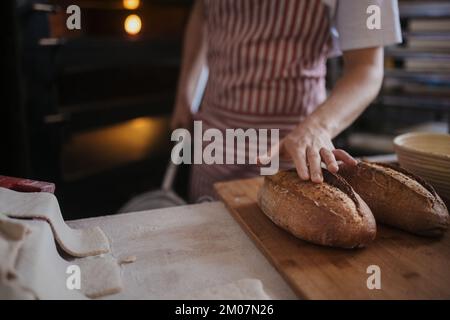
(102,276)
(12,236)
(11,230)
(42,270)
(31,267)
(44,206)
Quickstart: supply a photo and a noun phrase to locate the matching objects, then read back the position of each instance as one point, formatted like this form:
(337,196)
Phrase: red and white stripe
(266,62)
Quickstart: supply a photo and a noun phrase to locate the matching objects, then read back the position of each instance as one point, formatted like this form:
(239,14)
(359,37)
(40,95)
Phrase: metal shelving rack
(409,96)
(433,78)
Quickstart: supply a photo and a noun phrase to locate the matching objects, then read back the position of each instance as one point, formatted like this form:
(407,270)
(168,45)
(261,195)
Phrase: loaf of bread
(398,198)
(329,214)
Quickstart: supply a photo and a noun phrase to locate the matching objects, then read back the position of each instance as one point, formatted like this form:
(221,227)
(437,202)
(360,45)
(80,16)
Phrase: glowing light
(131,4)
(98,150)
(133,24)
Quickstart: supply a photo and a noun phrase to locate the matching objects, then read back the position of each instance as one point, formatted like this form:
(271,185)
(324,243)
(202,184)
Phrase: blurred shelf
(412,53)
(429,78)
(438,103)
(434,126)
(424,9)
(371,142)
(427,35)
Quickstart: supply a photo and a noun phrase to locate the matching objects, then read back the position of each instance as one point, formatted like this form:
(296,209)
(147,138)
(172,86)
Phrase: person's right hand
(181,116)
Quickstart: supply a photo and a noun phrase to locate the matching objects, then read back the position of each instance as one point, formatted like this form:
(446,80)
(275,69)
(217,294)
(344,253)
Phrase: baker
(267,65)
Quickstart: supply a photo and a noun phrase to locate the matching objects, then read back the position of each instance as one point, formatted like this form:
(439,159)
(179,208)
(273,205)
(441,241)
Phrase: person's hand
(181,116)
(308,145)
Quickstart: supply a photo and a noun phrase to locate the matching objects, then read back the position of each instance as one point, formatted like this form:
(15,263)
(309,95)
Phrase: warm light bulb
(131,4)
(133,24)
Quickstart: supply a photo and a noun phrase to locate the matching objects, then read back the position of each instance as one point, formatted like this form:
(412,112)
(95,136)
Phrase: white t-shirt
(349,24)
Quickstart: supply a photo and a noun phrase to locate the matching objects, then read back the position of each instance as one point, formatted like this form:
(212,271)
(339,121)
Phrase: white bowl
(428,156)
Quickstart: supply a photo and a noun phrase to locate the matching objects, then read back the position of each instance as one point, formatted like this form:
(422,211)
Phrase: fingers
(299,159)
(308,160)
(329,160)
(275,150)
(344,157)
(314,160)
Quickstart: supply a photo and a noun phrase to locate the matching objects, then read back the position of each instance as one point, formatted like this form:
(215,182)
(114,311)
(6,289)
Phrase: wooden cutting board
(411,267)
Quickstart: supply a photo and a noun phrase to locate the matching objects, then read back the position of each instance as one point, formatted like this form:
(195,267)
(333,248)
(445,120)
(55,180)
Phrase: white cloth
(349,24)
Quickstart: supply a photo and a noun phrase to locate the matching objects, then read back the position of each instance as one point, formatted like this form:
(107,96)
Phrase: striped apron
(267,67)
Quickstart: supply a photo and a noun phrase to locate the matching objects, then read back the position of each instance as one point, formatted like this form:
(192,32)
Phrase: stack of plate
(428,156)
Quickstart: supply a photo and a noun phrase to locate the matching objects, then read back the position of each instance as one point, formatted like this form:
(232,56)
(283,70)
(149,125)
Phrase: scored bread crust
(329,214)
(398,198)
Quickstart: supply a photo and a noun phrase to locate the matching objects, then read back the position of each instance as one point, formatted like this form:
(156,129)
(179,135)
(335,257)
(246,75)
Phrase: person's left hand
(307,146)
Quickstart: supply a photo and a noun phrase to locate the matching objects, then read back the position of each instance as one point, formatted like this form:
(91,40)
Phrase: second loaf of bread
(398,198)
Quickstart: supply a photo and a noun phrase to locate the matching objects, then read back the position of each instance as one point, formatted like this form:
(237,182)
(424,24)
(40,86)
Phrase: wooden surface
(411,267)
